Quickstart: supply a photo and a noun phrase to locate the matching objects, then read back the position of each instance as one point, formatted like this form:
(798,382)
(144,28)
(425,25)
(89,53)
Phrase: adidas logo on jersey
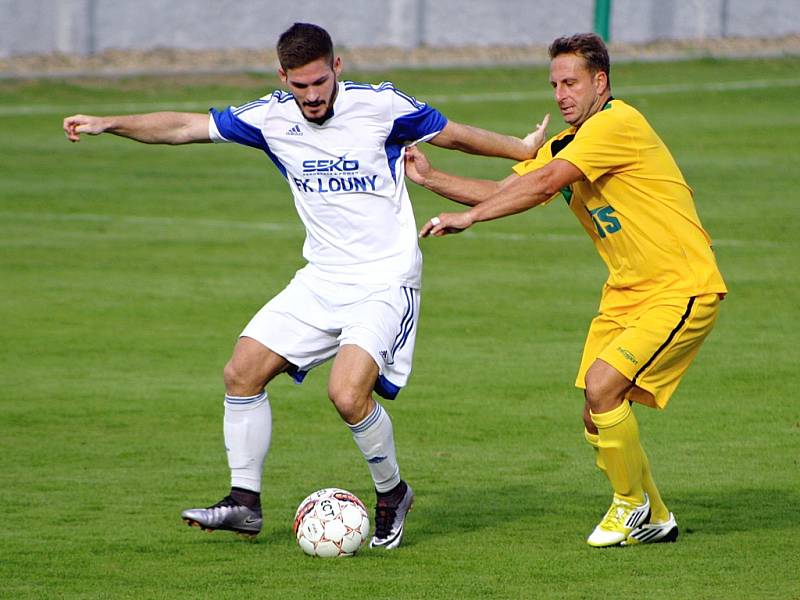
(294,130)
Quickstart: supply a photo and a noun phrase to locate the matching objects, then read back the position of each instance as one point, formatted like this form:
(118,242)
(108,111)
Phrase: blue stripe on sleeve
(245,107)
(233,129)
(417,125)
(385,86)
(425,122)
(410,99)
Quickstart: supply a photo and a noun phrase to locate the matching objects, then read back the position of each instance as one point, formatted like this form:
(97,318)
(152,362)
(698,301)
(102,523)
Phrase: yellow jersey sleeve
(526,166)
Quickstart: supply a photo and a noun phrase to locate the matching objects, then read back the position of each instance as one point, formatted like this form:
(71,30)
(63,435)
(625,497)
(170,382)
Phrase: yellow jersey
(637,208)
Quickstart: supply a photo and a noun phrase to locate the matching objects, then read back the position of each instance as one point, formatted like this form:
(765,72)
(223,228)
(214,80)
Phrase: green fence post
(602,18)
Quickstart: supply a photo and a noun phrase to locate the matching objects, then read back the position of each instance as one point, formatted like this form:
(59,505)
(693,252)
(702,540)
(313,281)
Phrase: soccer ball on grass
(331,522)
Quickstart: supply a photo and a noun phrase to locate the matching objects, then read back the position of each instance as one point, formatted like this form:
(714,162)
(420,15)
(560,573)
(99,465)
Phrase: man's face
(578,92)
(314,87)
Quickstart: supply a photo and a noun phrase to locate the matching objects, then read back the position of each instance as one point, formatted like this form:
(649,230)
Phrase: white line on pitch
(15,110)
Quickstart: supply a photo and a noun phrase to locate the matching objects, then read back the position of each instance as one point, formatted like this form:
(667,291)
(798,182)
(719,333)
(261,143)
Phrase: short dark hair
(589,46)
(303,43)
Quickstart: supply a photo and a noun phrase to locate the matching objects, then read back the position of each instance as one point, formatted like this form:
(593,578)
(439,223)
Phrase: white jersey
(346,176)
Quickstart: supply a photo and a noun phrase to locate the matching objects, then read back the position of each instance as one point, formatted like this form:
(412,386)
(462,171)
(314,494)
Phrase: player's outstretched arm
(515,195)
(150,128)
(464,190)
(475,140)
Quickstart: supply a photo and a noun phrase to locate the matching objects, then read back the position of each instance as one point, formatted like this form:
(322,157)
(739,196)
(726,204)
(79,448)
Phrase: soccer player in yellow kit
(664,288)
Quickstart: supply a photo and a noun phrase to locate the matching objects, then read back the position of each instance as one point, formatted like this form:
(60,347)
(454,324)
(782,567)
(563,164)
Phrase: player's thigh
(353,372)
(657,347)
(351,381)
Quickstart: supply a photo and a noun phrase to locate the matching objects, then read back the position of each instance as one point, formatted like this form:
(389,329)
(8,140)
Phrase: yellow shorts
(652,347)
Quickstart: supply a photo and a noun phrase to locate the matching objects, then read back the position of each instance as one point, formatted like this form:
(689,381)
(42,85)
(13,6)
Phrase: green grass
(128,270)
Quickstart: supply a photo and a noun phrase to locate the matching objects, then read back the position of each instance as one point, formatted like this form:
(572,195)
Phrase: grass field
(127,272)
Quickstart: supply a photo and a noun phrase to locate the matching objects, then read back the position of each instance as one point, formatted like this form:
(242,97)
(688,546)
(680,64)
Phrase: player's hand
(446,223)
(75,125)
(417,165)
(534,140)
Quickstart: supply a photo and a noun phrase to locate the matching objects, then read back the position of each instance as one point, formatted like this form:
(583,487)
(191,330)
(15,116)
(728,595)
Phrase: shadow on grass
(443,512)
(721,512)
(448,510)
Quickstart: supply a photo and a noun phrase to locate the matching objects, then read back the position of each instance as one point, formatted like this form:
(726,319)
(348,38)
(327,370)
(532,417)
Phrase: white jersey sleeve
(346,175)
(414,121)
(242,124)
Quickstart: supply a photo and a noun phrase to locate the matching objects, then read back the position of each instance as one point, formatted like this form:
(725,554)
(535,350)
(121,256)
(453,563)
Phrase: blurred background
(52,36)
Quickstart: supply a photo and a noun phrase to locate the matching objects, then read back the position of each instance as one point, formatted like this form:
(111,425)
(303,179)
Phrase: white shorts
(308,321)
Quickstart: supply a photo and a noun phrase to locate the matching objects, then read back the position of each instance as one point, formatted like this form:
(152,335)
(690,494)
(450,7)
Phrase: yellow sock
(621,453)
(658,509)
(594,442)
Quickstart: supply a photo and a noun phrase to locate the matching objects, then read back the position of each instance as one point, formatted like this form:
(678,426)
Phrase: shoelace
(615,517)
(226,502)
(384,519)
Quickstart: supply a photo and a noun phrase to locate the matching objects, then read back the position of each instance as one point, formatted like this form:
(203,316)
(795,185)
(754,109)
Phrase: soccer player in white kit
(340,145)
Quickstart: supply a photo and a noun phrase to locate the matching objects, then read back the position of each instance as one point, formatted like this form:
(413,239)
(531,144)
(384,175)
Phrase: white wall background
(91,26)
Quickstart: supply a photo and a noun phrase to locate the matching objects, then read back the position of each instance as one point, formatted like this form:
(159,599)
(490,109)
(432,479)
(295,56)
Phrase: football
(331,522)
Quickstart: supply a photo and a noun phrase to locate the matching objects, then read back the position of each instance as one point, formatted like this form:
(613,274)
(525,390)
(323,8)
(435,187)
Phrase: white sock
(248,429)
(374,436)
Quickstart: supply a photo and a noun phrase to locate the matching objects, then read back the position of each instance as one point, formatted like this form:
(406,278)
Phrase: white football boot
(620,520)
(653,533)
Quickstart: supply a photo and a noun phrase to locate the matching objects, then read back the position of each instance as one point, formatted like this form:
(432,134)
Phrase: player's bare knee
(598,399)
(344,401)
(602,393)
(351,406)
(593,392)
(230,377)
(238,382)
